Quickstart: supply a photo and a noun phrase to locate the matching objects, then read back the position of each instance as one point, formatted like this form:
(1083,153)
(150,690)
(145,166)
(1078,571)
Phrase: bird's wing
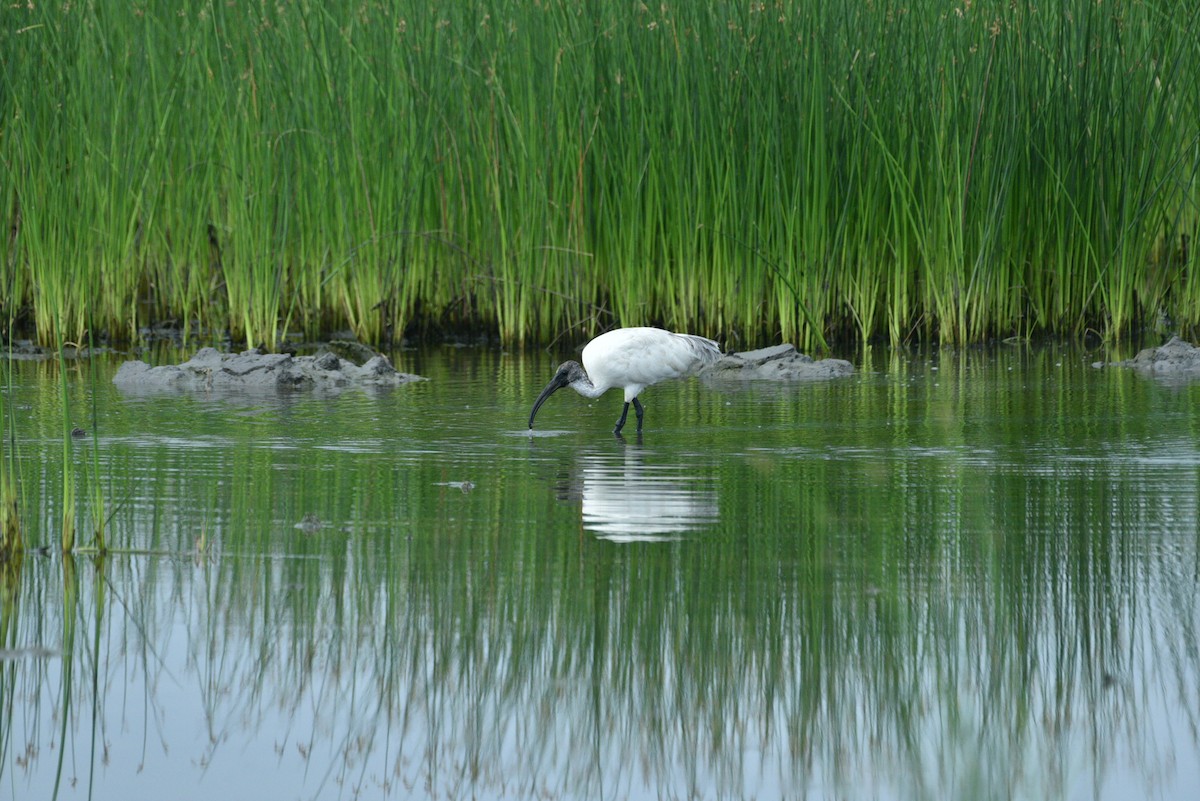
(639,357)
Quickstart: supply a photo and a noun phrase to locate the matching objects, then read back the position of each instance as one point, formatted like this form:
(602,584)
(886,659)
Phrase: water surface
(965,574)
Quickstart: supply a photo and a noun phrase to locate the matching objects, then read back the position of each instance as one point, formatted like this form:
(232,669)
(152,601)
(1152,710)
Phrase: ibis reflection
(626,499)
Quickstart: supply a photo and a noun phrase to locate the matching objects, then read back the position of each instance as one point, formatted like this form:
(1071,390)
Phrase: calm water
(958,575)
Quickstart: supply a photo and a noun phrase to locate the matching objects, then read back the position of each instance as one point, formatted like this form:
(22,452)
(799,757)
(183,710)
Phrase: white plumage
(633,359)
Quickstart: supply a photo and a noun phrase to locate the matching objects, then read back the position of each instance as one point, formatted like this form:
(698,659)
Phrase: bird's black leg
(637,407)
(624,414)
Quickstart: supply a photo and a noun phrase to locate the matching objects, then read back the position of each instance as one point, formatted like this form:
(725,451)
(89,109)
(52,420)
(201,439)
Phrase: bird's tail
(705,350)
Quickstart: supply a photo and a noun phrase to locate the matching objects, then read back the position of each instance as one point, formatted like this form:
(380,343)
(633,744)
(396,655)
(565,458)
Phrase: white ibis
(631,358)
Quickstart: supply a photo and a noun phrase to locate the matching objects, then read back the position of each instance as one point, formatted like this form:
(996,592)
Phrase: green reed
(91,467)
(754,171)
(69,509)
(10,520)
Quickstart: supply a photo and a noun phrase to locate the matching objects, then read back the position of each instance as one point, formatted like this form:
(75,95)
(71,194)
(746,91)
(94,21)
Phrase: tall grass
(748,170)
(10,522)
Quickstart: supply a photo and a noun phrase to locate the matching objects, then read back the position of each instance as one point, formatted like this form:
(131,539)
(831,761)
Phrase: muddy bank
(778,363)
(24,350)
(1176,359)
(252,370)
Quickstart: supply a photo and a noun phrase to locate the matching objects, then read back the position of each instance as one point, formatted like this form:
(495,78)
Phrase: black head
(566,374)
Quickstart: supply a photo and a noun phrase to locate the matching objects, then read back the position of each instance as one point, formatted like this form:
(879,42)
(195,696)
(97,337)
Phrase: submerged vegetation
(951,170)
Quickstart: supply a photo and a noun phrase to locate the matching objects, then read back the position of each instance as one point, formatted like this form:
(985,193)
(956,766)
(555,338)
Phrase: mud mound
(778,363)
(211,370)
(1176,359)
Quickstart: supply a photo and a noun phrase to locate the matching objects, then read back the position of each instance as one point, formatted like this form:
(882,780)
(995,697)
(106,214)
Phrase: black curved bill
(555,384)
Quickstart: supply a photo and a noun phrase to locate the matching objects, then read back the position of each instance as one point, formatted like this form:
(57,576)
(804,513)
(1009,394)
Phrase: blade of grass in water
(67,531)
(10,521)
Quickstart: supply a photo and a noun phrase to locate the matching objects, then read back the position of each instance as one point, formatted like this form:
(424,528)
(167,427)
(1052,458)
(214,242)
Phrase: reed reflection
(646,673)
(938,620)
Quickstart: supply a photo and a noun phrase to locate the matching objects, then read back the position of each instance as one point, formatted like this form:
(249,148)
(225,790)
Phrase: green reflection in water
(962,574)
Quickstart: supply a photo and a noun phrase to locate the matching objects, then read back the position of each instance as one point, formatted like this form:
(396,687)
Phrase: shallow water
(961,574)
